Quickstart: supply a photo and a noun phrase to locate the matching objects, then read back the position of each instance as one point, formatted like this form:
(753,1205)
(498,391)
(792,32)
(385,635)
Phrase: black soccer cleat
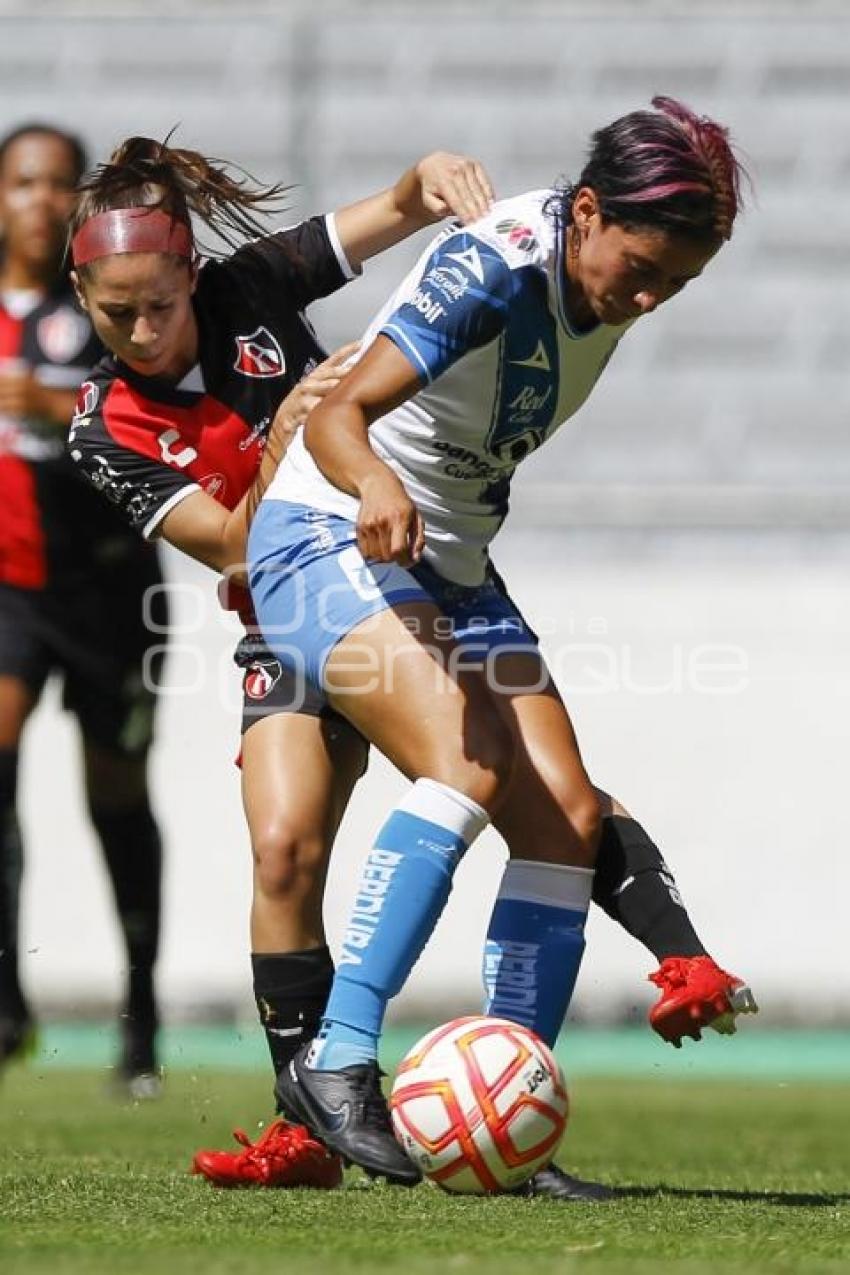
(348,1112)
(552,1183)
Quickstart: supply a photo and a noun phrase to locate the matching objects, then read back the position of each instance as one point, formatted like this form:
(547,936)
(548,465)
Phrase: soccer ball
(479,1105)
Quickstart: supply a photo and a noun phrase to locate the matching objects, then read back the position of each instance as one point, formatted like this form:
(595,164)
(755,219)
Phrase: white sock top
(447,807)
(553,885)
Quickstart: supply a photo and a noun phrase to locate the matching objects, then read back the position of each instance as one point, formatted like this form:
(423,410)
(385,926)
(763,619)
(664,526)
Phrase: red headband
(130,230)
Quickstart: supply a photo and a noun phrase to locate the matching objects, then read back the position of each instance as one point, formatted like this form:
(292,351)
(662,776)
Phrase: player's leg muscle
(552,812)
(298,772)
(399,688)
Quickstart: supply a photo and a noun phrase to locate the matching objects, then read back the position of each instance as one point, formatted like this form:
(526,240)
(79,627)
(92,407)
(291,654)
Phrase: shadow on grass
(789,1199)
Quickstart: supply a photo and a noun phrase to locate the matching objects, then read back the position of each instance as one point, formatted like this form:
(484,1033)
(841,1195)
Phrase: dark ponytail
(143,173)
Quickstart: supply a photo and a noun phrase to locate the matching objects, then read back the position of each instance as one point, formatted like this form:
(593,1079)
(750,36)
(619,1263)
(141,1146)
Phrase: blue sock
(535,942)
(402,891)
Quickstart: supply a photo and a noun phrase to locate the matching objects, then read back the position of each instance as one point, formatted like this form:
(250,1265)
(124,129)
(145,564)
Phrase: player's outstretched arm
(440,185)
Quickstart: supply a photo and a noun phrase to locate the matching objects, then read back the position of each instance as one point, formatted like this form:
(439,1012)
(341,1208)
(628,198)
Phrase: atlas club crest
(87,400)
(262,678)
(63,334)
(259,354)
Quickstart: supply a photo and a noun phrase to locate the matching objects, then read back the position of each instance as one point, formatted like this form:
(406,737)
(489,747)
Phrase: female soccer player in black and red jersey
(181,427)
(205,367)
(72,579)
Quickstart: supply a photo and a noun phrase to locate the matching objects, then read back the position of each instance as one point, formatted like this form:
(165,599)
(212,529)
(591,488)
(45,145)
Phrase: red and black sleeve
(294,267)
(117,453)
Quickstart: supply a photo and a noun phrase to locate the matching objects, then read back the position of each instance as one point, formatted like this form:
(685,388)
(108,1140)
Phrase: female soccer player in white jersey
(176,448)
(370,574)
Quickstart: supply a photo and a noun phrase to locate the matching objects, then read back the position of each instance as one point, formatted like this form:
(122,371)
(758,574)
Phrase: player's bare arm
(440,185)
(389,527)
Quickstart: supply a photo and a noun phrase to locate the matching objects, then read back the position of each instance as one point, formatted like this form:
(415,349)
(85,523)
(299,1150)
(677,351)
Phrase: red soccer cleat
(284,1155)
(697,993)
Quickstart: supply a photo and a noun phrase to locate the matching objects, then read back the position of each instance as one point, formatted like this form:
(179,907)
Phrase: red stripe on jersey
(208,442)
(11,333)
(23,561)
(22,550)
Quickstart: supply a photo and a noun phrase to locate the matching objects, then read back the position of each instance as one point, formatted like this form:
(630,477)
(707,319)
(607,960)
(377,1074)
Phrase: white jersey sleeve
(460,302)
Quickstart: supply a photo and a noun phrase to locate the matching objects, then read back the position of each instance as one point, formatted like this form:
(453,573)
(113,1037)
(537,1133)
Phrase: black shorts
(269,688)
(95,637)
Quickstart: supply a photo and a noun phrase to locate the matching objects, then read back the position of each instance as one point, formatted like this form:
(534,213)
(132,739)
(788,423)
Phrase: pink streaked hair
(670,168)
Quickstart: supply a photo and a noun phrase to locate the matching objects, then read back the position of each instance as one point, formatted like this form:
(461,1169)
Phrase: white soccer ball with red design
(479,1105)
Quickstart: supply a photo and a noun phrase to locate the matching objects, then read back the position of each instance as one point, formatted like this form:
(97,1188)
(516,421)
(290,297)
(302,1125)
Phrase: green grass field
(748,1176)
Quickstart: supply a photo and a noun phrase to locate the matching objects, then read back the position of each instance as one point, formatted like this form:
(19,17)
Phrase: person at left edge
(72,580)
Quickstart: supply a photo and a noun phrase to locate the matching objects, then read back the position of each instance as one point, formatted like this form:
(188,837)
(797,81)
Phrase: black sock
(133,853)
(11,870)
(636,888)
(291,990)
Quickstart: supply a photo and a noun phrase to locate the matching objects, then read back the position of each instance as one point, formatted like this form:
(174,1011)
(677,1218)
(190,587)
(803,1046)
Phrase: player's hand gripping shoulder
(444,185)
(440,185)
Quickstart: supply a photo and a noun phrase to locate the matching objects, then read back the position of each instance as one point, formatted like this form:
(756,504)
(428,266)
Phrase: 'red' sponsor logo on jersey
(261,679)
(258,354)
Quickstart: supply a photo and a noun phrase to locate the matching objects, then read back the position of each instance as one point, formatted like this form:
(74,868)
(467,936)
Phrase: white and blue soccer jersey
(483,320)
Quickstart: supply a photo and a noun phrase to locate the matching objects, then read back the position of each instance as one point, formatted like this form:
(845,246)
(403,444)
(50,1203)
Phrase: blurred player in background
(72,582)
(375,533)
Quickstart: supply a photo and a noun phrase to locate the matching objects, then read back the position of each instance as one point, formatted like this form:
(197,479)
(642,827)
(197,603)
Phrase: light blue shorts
(311,586)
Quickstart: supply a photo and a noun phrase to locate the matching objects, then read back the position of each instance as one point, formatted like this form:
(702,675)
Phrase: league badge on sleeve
(88,398)
(519,235)
(259,354)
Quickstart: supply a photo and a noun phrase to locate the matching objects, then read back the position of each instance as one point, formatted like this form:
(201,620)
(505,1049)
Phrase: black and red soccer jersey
(146,444)
(48,518)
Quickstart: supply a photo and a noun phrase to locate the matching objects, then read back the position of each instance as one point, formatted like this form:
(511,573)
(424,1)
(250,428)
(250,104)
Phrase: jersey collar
(158,391)
(188,390)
